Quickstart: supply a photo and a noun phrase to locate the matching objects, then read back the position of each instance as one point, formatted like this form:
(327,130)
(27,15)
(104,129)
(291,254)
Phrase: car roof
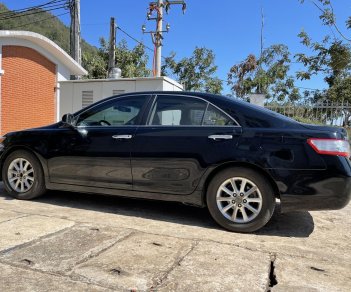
(214,98)
(208,96)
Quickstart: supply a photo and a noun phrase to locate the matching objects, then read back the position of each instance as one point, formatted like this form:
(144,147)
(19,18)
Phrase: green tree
(341,90)
(132,62)
(267,74)
(95,65)
(43,23)
(330,57)
(196,73)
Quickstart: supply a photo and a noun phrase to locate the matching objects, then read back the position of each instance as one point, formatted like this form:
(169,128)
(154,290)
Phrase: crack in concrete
(27,262)
(33,241)
(266,251)
(123,236)
(65,273)
(317,269)
(14,265)
(158,280)
(160,234)
(8,220)
(272,278)
(16,211)
(83,279)
(208,240)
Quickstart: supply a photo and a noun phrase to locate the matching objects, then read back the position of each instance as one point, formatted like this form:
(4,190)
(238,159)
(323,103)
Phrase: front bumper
(1,161)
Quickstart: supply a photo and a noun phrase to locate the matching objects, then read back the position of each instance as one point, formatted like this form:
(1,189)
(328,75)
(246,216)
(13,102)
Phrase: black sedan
(194,148)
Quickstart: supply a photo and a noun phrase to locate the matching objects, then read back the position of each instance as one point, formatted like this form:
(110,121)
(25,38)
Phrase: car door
(96,152)
(182,137)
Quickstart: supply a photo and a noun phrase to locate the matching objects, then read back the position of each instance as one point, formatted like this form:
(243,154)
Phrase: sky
(231,28)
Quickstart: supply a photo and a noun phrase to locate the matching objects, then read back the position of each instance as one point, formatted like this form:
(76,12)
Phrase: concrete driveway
(79,242)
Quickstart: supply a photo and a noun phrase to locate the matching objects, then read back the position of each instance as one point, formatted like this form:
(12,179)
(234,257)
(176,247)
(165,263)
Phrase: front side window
(177,111)
(116,112)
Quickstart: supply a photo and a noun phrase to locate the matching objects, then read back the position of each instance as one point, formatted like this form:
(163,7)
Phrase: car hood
(47,127)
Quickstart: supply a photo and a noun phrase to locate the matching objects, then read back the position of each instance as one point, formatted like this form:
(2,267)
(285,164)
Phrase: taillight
(330,146)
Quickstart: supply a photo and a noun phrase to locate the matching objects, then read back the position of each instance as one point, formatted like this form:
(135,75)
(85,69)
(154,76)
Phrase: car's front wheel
(23,176)
(240,199)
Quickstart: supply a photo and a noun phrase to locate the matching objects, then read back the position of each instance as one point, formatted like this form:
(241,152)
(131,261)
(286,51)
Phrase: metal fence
(326,112)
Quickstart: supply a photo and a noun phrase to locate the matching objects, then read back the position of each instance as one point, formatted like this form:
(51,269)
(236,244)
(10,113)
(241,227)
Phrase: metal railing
(326,112)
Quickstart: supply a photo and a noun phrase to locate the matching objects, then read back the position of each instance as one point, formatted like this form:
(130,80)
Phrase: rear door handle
(122,137)
(220,137)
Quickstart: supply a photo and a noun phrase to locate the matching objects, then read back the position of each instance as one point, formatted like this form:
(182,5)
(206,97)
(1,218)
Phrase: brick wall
(27,89)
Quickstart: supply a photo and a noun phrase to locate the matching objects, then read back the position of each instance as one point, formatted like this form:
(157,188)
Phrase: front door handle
(220,137)
(122,137)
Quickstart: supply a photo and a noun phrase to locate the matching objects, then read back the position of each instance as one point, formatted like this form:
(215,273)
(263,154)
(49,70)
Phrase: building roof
(122,79)
(48,45)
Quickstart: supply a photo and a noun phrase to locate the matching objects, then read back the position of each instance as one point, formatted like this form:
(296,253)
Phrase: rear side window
(177,111)
(187,111)
(215,117)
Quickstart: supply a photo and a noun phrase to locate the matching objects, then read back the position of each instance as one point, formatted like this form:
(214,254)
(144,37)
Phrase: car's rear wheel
(23,176)
(240,199)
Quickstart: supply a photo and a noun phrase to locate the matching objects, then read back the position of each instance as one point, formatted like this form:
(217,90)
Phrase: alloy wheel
(239,200)
(20,175)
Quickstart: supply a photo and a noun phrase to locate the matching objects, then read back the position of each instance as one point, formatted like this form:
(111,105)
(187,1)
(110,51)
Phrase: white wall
(170,85)
(71,91)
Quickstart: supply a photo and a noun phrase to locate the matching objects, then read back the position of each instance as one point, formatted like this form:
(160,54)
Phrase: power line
(27,9)
(300,87)
(31,7)
(54,16)
(307,88)
(126,33)
(134,39)
(34,10)
(95,24)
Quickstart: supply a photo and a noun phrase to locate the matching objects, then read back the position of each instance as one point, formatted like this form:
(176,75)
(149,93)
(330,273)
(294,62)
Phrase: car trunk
(341,132)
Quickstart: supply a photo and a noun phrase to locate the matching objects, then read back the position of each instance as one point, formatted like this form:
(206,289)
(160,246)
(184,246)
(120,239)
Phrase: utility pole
(75,49)
(260,65)
(157,35)
(158,41)
(259,96)
(262,27)
(112,50)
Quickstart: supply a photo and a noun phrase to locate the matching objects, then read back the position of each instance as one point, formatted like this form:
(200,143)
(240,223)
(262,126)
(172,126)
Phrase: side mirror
(68,119)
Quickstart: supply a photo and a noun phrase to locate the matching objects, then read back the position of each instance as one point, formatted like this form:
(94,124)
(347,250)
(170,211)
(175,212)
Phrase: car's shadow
(295,224)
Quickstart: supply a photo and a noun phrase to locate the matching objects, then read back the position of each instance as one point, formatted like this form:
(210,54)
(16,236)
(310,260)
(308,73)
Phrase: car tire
(23,175)
(245,211)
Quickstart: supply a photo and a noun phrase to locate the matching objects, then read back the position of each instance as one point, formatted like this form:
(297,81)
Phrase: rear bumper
(327,194)
(309,190)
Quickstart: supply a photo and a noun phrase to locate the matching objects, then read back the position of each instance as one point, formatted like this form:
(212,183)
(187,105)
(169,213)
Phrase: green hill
(132,62)
(43,23)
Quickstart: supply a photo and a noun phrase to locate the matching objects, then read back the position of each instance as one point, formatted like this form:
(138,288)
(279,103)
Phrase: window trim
(148,120)
(151,98)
